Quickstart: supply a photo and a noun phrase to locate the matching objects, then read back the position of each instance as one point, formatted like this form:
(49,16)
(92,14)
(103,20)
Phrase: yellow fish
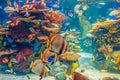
(112,30)
(103,71)
(78,47)
(75,65)
(39,68)
(118,60)
(108,19)
(93,59)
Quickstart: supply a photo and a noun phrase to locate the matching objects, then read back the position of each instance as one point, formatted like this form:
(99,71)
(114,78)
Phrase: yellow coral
(118,60)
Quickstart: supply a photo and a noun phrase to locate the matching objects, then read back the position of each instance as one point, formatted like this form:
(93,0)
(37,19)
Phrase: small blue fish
(51,59)
(101,59)
(42,23)
(9,39)
(15,14)
(13,45)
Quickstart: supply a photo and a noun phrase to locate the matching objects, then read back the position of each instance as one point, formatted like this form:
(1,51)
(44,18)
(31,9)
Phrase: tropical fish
(70,13)
(112,30)
(55,6)
(75,65)
(70,57)
(57,44)
(77,47)
(48,56)
(27,14)
(103,70)
(31,36)
(118,60)
(3,29)
(39,68)
(42,38)
(52,29)
(5,60)
(6,52)
(9,9)
(42,23)
(90,35)
(10,40)
(101,59)
(71,37)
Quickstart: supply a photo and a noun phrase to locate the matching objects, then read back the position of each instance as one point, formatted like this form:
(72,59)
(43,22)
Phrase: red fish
(5,60)
(57,44)
(78,76)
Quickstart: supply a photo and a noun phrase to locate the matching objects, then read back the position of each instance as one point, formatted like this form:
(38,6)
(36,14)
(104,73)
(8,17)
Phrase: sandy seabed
(85,63)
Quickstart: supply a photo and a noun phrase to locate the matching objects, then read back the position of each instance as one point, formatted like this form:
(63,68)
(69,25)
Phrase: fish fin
(48,43)
(47,69)
(117,60)
(41,56)
(31,65)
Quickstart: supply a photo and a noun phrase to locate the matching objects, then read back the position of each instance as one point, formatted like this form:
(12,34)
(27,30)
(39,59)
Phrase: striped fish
(39,68)
(57,44)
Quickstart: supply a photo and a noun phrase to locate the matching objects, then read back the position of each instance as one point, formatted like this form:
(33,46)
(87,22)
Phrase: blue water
(27,46)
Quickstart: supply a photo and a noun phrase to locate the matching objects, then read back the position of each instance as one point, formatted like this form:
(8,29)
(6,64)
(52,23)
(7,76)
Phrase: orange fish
(39,68)
(5,60)
(47,54)
(42,38)
(57,44)
(31,36)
